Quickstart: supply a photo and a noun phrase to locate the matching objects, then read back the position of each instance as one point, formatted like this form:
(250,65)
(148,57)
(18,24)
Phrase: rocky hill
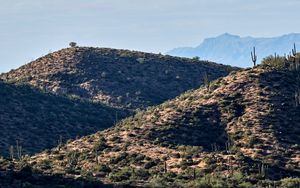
(117,78)
(38,120)
(79,91)
(238,131)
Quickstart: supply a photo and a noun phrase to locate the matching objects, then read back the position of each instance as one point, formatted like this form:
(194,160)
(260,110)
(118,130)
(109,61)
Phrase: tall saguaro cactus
(253,56)
(297,97)
(294,56)
(206,81)
(11,152)
(19,150)
(165,167)
(294,50)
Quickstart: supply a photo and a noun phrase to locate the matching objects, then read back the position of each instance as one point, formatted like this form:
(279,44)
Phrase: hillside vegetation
(35,120)
(238,131)
(78,91)
(118,78)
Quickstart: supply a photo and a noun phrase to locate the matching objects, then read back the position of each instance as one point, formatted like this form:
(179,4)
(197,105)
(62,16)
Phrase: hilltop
(39,120)
(235,50)
(241,130)
(79,91)
(123,79)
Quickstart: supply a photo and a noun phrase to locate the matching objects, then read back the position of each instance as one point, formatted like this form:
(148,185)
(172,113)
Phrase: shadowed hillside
(241,130)
(117,78)
(40,120)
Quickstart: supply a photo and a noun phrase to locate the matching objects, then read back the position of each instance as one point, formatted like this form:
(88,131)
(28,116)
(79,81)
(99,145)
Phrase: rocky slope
(78,91)
(118,78)
(241,130)
(38,120)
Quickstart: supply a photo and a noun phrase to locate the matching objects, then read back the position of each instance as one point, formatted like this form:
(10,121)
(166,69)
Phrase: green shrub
(290,182)
(141,174)
(196,58)
(117,159)
(158,182)
(44,164)
(100,145)
(102,168)
(151,163)
(277,62)
(121,175)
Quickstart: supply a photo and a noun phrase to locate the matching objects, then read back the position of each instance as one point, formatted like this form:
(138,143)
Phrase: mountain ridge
(235,50)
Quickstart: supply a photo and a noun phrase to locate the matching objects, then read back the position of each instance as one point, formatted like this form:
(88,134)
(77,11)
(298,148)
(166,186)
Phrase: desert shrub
(175,155)
(209,181)
(141,174)
(186,163)
(44,164)
(277,62)
(72,44)
(170,174)
(196,58)
(100,145)
(72,158)
(4,162)
(151,163)
(158,181)
(290,182)
(140,157)
(252,141)
(115,139)
(121,175)
(59,157)
(102,168)
(116,149)
(140,60)
(119,158)
(245,185)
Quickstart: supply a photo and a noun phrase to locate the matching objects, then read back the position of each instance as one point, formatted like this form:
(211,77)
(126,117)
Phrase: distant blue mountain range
(235,50)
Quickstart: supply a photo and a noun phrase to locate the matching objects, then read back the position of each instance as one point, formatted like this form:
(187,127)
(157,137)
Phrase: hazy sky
(31,28)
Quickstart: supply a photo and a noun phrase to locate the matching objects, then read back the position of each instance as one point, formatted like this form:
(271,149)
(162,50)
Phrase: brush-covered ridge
(118,78)
(241,130)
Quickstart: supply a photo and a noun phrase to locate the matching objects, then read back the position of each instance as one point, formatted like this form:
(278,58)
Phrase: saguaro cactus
(59,143)
(11,152)
(206,81)
(294,56)
(297,97)
(253,56)
(19,150)
(165,166)
(228,146)
(294,50)
(263,169)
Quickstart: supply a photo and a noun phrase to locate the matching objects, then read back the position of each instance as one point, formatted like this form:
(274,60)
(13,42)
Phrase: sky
(32,28)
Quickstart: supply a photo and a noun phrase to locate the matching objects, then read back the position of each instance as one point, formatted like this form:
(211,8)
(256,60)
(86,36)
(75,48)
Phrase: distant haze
(235,50)
(31,28)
